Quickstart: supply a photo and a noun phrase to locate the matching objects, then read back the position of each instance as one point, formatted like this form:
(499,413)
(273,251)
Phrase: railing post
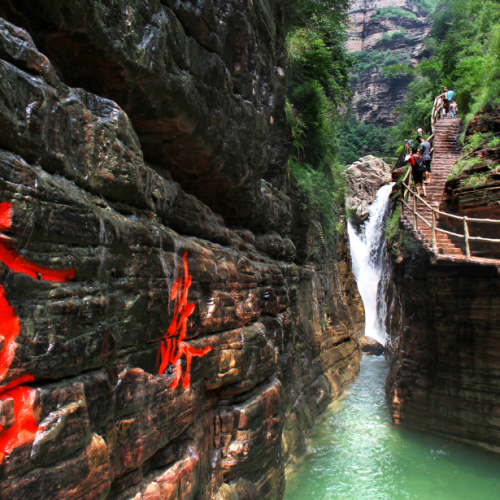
(415,222)
(434,246)
(466,234)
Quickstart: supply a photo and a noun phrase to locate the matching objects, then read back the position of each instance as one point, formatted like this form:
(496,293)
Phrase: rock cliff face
(442,309)
(150,347)
(382,34)
(443,322)
(202,83)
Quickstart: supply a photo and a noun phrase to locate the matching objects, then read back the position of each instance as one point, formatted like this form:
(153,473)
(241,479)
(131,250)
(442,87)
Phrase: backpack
(418,165)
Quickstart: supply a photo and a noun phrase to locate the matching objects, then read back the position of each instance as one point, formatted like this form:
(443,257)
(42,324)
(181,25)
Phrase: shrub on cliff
(318,89)
(425,7)
(318,85)
(393,13)
(398,36)
(398,238)
(367,60)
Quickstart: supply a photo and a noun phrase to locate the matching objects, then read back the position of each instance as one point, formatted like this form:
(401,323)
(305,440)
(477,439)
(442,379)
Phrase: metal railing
(433,225)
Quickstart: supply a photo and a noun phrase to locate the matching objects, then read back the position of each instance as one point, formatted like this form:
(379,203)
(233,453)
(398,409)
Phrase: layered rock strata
(148,350)
(202,83)
(384,34)
(443,325)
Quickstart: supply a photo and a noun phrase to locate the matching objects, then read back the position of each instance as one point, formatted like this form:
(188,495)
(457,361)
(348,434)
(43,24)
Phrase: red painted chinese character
(24,427)
(172,346)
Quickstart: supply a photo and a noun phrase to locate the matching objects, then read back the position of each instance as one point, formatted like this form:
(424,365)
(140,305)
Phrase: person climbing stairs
(446,153)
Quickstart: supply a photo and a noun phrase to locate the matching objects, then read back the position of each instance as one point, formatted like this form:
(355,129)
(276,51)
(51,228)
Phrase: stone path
(446,153)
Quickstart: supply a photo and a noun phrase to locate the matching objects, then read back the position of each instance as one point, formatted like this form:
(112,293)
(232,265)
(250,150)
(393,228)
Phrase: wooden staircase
(446,153)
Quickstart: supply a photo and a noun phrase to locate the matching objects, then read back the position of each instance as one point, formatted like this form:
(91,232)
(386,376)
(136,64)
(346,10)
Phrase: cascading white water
(367,252)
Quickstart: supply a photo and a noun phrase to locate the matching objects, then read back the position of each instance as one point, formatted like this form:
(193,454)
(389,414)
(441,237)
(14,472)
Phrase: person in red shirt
(417,170)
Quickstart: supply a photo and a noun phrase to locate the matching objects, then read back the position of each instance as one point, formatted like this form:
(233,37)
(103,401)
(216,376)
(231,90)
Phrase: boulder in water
(364,178)
(371,346)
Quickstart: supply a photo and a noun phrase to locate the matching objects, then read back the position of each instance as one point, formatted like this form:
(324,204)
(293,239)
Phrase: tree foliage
(394,13)
(317,92)
(357,139)
(465,45)
(318,85)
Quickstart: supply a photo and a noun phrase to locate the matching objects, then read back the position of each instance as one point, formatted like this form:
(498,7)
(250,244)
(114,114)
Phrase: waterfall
(368,258)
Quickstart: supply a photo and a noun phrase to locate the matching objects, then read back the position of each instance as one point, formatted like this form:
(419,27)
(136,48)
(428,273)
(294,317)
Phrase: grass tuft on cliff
(398,239)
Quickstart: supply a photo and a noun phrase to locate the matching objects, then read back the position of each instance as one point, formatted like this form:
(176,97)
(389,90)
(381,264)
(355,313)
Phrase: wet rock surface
(364,178)
(371,346)
(149,350)
(202,83)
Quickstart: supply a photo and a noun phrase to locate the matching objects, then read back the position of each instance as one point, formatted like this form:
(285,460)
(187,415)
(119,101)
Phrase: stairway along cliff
(167,331)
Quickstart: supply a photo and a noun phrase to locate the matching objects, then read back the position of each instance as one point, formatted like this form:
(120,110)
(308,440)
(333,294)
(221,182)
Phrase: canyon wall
(383,34)
(172,323)
(443,323)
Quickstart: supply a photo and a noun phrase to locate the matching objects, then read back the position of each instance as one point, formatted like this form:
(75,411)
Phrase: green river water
(357,453)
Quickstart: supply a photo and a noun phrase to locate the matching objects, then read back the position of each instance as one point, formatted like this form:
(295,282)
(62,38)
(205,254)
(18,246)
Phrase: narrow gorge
(201,298)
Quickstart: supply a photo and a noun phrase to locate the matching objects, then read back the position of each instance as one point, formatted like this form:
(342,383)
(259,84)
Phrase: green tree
(318,89)
(465,45)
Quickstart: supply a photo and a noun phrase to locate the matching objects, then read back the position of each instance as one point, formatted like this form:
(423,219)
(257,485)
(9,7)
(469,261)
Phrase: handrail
(435,116)
(406,190)
(466,220)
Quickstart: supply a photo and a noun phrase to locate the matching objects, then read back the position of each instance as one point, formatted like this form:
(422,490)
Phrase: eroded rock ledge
(90,376)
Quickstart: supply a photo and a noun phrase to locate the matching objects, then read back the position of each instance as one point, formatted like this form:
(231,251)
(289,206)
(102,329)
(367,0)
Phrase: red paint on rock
(18,264)
(24,427)
(9,322)
(9,330)
(11,258)
(5,215)
(172,346)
